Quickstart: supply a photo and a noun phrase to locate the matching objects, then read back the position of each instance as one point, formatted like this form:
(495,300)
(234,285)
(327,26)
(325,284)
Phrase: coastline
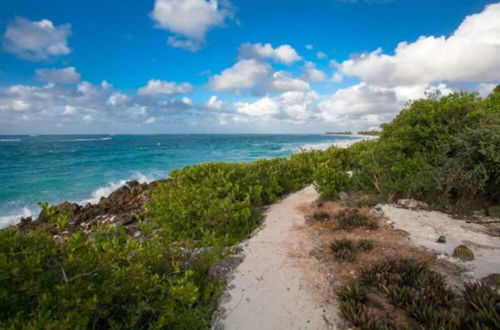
(102,193)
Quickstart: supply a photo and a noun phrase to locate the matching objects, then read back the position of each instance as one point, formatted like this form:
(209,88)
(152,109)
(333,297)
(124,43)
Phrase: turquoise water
(83,168)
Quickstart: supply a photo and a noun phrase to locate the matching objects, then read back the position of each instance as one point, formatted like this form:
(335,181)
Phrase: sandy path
(278,285)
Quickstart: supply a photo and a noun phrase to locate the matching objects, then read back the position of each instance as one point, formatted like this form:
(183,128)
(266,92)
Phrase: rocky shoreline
(122,207)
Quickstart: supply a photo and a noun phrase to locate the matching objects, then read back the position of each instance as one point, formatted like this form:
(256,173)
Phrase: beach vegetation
(351,218)
(419,298)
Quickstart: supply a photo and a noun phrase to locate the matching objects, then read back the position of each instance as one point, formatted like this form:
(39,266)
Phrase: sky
(236,66)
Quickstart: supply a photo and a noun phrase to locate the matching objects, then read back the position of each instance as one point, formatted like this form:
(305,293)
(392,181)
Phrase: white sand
(425,227)
(278,285)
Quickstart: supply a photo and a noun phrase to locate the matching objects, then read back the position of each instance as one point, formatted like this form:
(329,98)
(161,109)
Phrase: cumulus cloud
(189,20)
(367,102)
(281,81)
(36,40)
(214,104)
(295,106)
(265,106)
(117,99)
(85,102)
(159,87)
(243,75)
(312,74)
(285,54)
(470,54)
(356,100)
(62,76)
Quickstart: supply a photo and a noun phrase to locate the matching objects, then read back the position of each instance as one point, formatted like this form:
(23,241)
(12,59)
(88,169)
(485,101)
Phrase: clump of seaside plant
(423,297)
(347,249)
(351,218)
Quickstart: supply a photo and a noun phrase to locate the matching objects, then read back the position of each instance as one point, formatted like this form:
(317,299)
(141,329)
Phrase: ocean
(84,168)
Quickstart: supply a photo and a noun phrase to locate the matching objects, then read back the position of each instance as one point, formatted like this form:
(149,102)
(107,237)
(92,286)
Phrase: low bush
(330,176)
(222,200)
(106,280)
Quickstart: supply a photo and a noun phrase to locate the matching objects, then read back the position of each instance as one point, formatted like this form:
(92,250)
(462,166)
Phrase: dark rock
(222,269)
(343,195)
(441,239)
(412,204)
(122,206)
(377,211)
(492,280)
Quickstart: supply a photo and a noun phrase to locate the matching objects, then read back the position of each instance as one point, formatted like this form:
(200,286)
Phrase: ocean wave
(86,140)
(10,140)
(106,190)
(14,218)
(344,143)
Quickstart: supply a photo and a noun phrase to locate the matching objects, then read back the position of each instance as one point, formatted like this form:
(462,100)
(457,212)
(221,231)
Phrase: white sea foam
(10,140)
(106,190)
(84,140)
(13,219)
(96,196)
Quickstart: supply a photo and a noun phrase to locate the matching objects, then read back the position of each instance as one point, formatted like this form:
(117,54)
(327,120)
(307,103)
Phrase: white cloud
(311,73)
(158,87)
(298,105)
(358,100)
(243,75)
(321,55)
(309,47)
(285,54)
(470,54)
(337,77)
(485,89)
(282,82)
(69,105)
(150,120)
(69,110)
(36,40)
(214,104)
(265,106)
(88,118)
(294,106)
(117,99)
(187,101)
(189,20)
(62,76)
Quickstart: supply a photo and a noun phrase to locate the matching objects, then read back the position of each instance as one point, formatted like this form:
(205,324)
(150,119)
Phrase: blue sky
(235,66)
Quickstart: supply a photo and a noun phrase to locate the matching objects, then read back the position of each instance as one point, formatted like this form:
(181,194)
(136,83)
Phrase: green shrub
(222,200)
(107,280)
(442,150)
(330,175)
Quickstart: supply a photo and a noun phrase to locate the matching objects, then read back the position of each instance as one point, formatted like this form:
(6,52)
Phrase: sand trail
(278,285)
